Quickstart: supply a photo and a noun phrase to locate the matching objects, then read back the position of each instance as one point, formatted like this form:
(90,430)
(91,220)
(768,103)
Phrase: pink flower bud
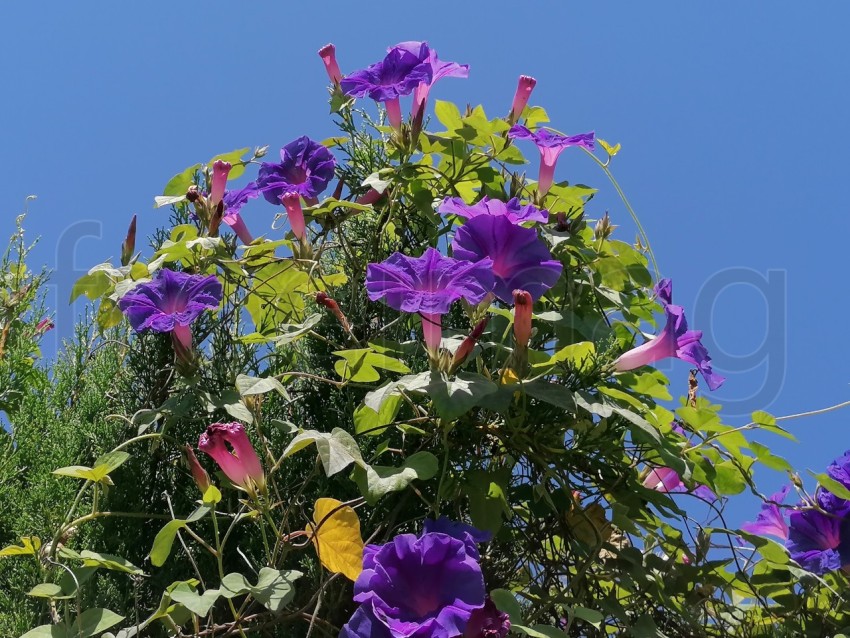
(202,479)
(292,202)
(523,93)
(328,55)
(522,318)
(219,181)
(468,344)
(229,446)
(323,299)
(129,244)
(44,325)
(370,197)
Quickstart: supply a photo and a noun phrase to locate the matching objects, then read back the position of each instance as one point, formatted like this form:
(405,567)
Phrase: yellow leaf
(589,525)
(611,150)
(509,377)
(336,535)
(30,545)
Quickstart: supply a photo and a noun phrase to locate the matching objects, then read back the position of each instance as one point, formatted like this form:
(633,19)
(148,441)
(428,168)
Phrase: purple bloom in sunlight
(512,209)
(439,70)
(550,146)
(521,260)
(171,302)
(819,542)
(399,73)
(428,285)
(770,519)
(426,586)
(470,535)
(306,167)
(675,340)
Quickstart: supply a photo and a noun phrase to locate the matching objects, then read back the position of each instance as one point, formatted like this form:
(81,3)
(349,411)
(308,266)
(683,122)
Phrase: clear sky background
(733,118)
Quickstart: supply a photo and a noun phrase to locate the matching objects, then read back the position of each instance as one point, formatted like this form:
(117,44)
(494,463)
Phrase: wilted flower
(399,73)
(439,70)
(44,325)
(306,167)
(328,55)
(515,212)
(229,446)
(417,587)
(550,146)
(675,340)
(521,260)
(524,88)
(171,302)
(428,285)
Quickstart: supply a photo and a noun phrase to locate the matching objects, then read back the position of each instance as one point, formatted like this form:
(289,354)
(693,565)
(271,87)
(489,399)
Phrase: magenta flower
(306,167)
(676,341)
(550,146)
(417,587)
(521,260)
(522,318)
(524,88)
(328,55)
(399,73)
(512,209)
(428,285)
(199,474)
(667,480)
(171,302)
(233,203)
(439,70)
(229,446)
(770,519)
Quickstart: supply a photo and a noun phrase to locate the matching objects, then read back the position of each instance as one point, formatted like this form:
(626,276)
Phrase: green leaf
(728,479)
(368,421)
(95,621)
(45,590)
(831,485)
(448,115)
(761,417)
(110,461)
(540,631)
(506,602)
(48,631)
(360,365)
(454,398)
(550,393)
(106,561)
(337,450)
(78,471)
(588,615)
(199,604)
(768,459)
(180,183)
(164,540)
(93,285)
(274,589)
(247,386)
(167,200)
(488,503)
(377,481)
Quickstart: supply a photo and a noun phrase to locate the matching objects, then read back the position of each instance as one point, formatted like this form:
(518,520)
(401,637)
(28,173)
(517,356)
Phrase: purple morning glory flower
(416,587)
(470,535)
(819,542)
(488,622)
(521,260)
(306,167)
(399,73)
(512,209)
(439,70)
(428,285)
(770,519)
(171,302)
(550,146)
(233,203)
(675,340)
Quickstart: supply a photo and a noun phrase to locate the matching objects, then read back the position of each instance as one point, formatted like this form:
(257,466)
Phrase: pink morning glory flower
(550,145)
(229,446)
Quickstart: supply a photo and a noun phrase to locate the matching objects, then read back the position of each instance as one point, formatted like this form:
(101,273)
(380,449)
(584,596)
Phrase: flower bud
(323,299)
(192,193)
(522,318)
(328,55)
(604,227)
(202,479)
(129,245)
(44,325)
(468,344)
(524,88)
(220,171)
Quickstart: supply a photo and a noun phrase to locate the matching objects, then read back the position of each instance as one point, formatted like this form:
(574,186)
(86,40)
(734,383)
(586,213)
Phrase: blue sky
(732,117)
